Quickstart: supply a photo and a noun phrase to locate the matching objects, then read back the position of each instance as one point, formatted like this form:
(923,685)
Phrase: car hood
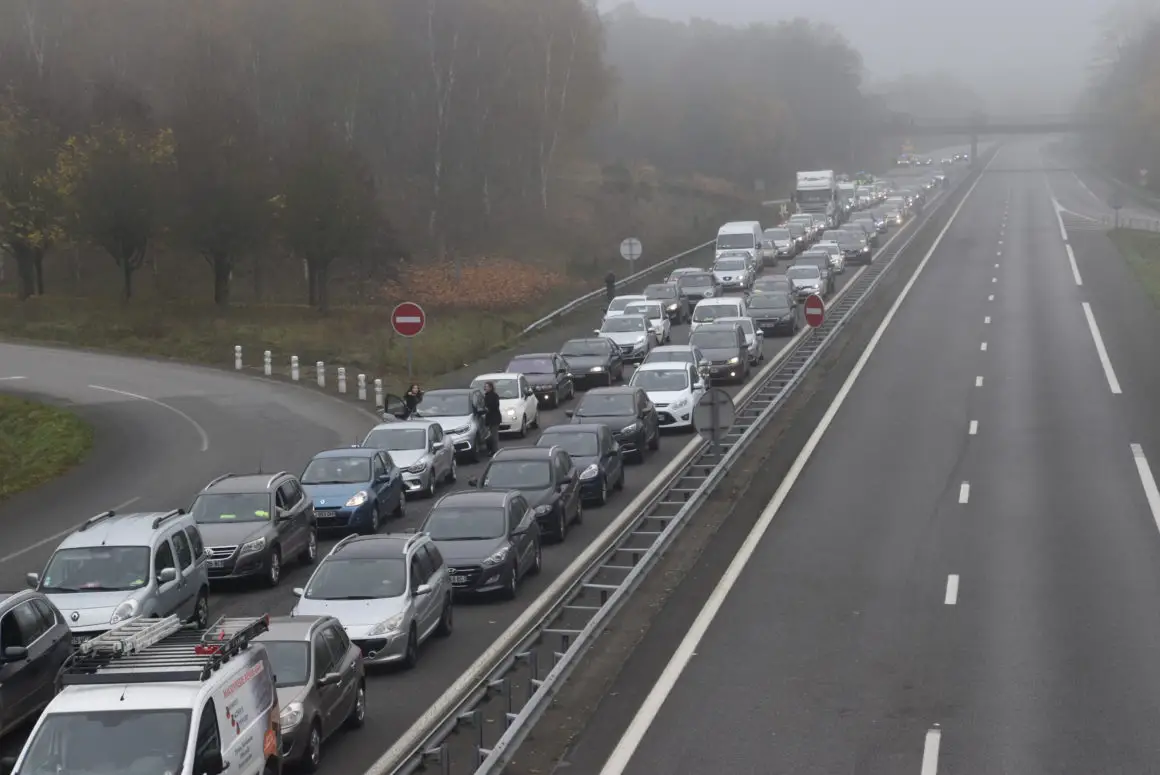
(289,694)
(404,458)
(534,497)
(583,362)
(539,378)
(469,552)
(449,424)
(624,337)
(583,462)
(615,422)
(719,353)
(726,274)
(334,496)
(225,533)
(766,313)
(356,616)
(783,244)
(804,283)
(666,397)
(697,288)
(88,609)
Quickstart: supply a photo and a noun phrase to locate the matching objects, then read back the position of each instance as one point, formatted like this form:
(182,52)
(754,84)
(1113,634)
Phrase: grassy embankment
(38,443)
(1141,249)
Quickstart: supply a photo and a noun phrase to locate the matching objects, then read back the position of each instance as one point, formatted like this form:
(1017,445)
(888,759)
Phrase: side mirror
(330,679)
(299,591)
(422,590)
(211,763)
(15,654)
(167,575)
(569,413)
(32,580)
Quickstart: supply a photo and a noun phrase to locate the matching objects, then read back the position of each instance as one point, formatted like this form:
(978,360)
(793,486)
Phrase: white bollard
(268,363)
(362,387)
(320,370)
(341,379)
(294,373)
(379,393)
(238,357)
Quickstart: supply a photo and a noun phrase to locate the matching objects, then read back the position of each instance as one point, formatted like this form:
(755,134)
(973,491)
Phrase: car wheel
(376,521)
(523,434)
(411,655)
(429,490)
(619,486)
(571,390)
(200,618)
(274,567)
(401,508)
(603,497)
(562,526)
(655,443)
(312,756)
(512,587)
(446,619)
(579,520)
(537,560)
(358,714)
(475,451)
(453,473)
(310,554)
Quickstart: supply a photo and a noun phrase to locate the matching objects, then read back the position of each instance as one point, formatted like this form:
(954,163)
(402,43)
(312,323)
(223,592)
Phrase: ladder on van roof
(142,650)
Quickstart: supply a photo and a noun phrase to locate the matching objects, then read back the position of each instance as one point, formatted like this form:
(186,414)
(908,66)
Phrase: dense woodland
(261,137)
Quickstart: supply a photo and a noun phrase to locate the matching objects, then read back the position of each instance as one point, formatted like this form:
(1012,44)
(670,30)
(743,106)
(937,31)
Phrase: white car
(680,353)
(674,387)
(733,272)
(837,258)
(631,333)
(618,303)
(754,338)
(712,310)
(654,313)
(518,405)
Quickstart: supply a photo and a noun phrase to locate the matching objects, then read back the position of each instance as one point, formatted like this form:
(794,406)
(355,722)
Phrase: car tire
(561,531)
(200,618)
(523,434)
(571,390)
(603,497)
(309,555)
(401,509)
(579,520)
(358,714)
(273,574)
(376,521)
(429,490)
(446,620)
(619,485)
(554,403)
(312,756)
(474,456)
(512,588)
(537,560)
(411,655)
(655,443)
(453,471)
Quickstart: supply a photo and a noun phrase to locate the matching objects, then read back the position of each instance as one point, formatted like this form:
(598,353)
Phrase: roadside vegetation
(1141,249)
(38,443)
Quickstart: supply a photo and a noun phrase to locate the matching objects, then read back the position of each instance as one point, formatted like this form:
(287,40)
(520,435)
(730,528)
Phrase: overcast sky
(1021,55)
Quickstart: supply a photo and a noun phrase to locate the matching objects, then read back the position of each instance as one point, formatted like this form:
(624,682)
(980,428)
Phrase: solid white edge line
(973,428)
(1058,213)
(986,320)
(978,381)
(1101,351)
(991,297)
(626,747)
(930,752)
(965,492)
(1151,492)
(1074,265)
(61,534)
(11,379)
(200,430)
(952,595)
(983,347)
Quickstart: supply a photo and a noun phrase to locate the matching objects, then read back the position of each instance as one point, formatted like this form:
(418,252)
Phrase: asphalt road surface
(172,428)
(962,579)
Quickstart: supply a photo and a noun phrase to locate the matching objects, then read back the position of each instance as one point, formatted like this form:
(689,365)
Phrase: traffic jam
(127,597)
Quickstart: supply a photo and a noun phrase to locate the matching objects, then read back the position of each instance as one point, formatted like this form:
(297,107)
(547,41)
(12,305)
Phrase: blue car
(354,489)
(595,452)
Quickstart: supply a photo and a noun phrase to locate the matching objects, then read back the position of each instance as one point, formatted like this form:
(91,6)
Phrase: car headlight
(597,369)
(126,610)
(672,308)
(459,430)
(591,472)
(511,412)
(418,467)
(733,361)
(291,716)
(499,558)
(542,511)
(388,625)
(639,340)
(358,499)
(630,428)
(257,545)
(680,403)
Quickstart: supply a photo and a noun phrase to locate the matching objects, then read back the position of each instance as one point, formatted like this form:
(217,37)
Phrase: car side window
(195,541)
(323,657)
(337,649)
(28,620)
(417,576)
(48,614)
(280,497)
(425,563)
(181,549)
(297,495)
(343,640)
(163,559)
(515,513)
(434,556)
(377,467)
(524,387)
(563,466)
(209,740)
(438,431)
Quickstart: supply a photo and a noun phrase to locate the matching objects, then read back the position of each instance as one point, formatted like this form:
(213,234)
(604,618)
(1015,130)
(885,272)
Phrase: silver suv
(117,566)
(390,592)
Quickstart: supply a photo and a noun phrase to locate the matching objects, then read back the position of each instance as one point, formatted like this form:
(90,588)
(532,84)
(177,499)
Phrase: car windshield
(814,260)
(661,379)
(97,569)
(797,228)
(578,444)
(213,507)
(619,303)
(734,241)
(396,439)
(436,404)
(670,356)
(660,292)
(780,235)
(709,312)
(465,523)
(108,742)
(746,325)
(774,301)
(518,475)
(584,347)
(831,250)
(646,310)
(623,325)
(358,578)
(698,280)
(531,366)
(607,405)
(337,470)
(714,340)
(803,273)
(290,660)
(504,388)
(730,265)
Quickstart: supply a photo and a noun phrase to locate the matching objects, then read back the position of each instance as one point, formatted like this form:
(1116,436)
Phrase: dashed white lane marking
(1102,351)
(11,379)
(930,752)
(996,266)
(994,279)
(998,253)
(964,492)
(991,297)
(978,381)
(973,428)
(952,595)
(1074,265)
(987,320)
(200,430)
(983,347)
(1151,492)
(59,535)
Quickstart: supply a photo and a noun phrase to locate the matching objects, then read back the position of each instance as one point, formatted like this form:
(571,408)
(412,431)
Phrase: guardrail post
(341,379)
(362,387)
(294,371)
(320,371)
(238,357)
(379,393)
(268,363)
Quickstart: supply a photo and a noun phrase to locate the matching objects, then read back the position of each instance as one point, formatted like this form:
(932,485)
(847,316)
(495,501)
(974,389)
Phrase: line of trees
(319,132)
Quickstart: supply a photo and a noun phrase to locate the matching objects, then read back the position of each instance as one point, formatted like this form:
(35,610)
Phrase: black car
(628,412)
(698,285)
(546,477)
(867,225)
(593,361)
(494,531)
(801,235)
(676,306)
(548,374)
(34,643)
(772,284)
(775,312)
(725,346)
(594,452)
(854,247)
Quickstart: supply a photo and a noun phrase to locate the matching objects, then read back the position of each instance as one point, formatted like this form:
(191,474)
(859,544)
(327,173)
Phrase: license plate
(459,579)
(217,563)
(79,639)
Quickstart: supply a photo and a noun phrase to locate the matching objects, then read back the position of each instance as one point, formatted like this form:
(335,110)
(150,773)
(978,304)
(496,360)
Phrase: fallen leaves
(491,283)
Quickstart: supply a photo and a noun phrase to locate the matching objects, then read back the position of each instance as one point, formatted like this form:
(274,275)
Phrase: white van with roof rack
(157,696)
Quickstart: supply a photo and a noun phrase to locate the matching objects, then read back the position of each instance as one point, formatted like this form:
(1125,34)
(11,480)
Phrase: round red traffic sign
(408,319)
(815,310)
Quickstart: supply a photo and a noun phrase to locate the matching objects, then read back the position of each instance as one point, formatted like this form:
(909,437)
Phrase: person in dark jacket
(493,417)
(412,398)
(610,286)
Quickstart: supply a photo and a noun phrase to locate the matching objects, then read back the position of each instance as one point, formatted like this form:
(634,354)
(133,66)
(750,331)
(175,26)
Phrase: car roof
(719,300)
(716,324)
(521,453)
(117,530)
(585,427)
(366,452)
(290,628)
(624,317)
(475,497)
(666,365)
(498,375)
(405,424)
(612,390)
(452,391)
(673,348)
(531,355)
(629,296)
(244,483)
(739,321)
(374,546)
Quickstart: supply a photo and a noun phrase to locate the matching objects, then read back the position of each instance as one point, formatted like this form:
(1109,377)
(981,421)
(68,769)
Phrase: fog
(1021,56)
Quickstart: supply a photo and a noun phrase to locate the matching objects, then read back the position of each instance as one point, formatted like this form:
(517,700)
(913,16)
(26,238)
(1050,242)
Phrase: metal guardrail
(600,294)
(578,605)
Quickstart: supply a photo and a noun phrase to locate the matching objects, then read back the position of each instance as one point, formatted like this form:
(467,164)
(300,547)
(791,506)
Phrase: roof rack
(275,478)
(94,520)
(167,516)
(142,650)
(343,542)
(218,480)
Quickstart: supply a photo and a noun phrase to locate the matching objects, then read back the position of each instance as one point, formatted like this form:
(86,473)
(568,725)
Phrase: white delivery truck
(739,237)
(817,192)
(848,197)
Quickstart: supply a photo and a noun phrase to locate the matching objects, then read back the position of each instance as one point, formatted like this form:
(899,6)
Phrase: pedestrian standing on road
(493,416)
(610,286)
(412,398)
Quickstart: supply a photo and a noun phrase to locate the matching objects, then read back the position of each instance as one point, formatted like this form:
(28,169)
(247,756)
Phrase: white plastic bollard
(379,393)
(294,373)
(238,357)
(268,363)
(320,370)
(362,387)
(341,379)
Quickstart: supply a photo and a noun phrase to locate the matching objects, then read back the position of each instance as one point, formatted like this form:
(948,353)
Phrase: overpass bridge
(978,125)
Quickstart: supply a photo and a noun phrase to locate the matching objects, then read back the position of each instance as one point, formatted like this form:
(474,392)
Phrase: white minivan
(711,310)
(738,236)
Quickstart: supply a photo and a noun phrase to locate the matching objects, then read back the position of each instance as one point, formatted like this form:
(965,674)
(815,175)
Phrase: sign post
(815,310)
(1116,203)
(713,416)
(630,251)
(408,319)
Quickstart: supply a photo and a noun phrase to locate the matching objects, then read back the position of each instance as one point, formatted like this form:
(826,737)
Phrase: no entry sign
(408,319)
(815,311)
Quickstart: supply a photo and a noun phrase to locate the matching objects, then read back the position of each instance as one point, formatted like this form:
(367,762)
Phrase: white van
(711,310)
(155,696)
(737,236)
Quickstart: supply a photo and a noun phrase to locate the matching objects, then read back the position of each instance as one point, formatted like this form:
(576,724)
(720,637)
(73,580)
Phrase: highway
(171,428)
(961,576)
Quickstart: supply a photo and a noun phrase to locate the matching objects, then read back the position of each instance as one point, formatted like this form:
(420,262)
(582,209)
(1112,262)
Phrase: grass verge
(38,443)
(1141,249)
